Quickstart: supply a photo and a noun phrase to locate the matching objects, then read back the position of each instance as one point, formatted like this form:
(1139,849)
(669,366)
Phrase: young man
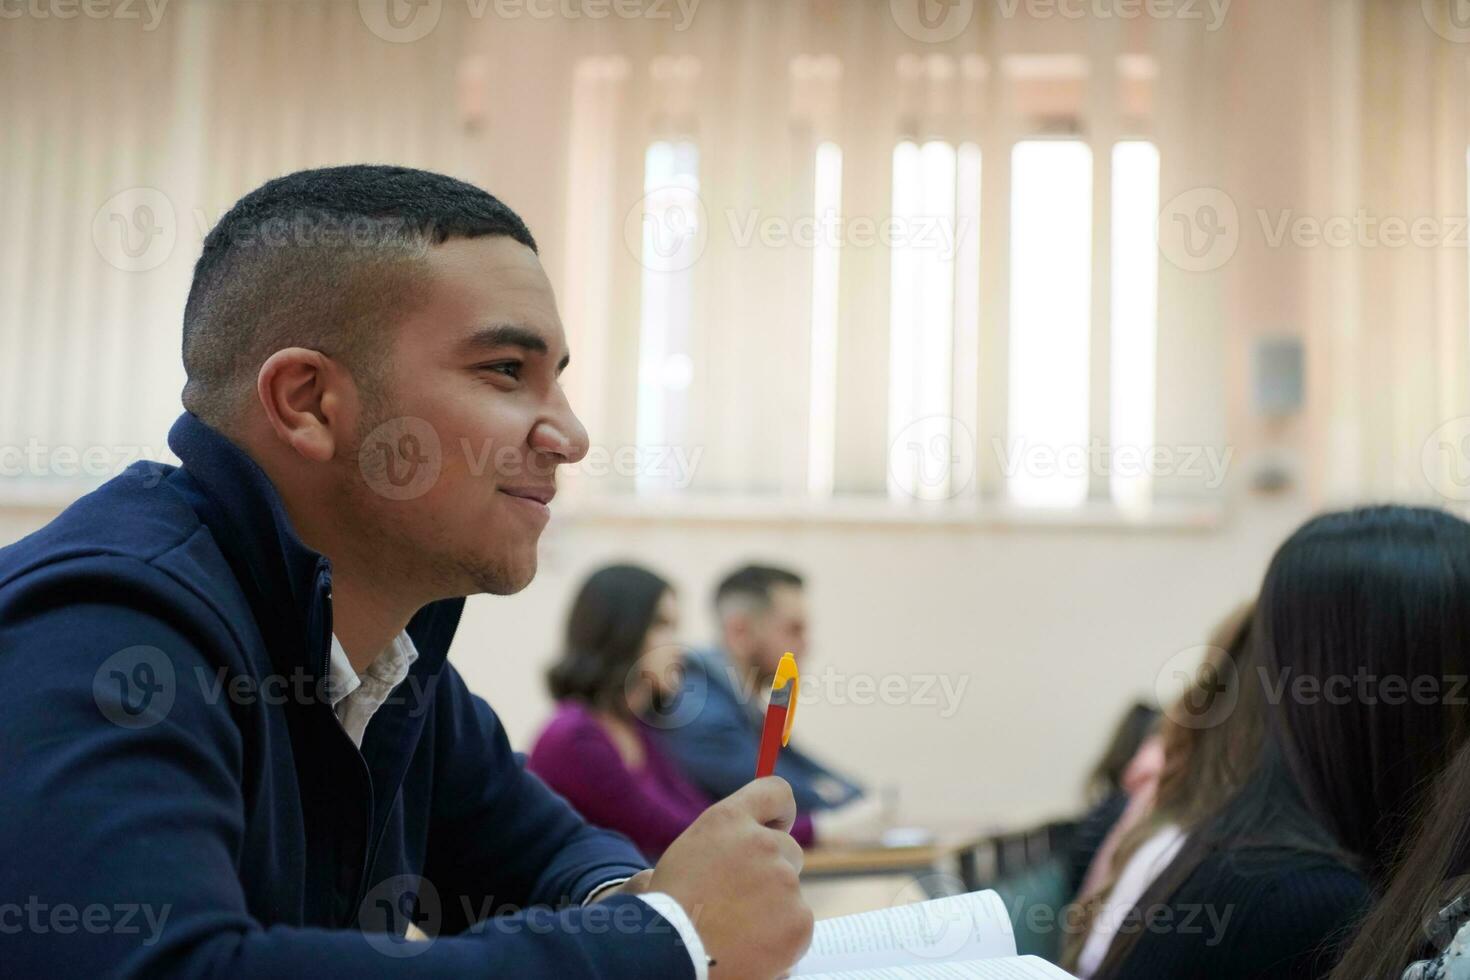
(231,744)
(713,728)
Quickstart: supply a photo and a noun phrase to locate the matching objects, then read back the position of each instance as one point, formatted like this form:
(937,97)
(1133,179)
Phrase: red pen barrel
(765,763)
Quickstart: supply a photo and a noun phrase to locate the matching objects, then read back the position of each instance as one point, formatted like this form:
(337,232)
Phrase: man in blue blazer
(713,726)
(231,743)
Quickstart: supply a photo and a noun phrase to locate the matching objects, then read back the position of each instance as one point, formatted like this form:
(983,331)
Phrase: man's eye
(511,369)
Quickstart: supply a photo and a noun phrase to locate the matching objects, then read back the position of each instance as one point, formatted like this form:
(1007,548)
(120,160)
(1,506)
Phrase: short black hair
(754,584)
(322,259)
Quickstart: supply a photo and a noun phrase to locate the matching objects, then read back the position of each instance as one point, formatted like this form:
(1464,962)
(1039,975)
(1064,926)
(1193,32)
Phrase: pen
(779,715)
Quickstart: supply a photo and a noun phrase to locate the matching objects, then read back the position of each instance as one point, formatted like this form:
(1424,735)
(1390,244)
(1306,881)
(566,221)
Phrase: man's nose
(561,434)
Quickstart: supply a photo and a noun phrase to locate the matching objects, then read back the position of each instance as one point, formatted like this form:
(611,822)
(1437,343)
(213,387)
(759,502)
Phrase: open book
(956,938)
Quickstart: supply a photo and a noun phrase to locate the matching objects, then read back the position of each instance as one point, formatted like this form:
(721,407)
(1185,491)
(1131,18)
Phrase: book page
(1009,968)
(962,927)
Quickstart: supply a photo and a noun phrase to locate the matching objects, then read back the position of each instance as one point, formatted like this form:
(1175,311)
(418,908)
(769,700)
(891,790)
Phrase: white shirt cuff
(666,906)
(592,895)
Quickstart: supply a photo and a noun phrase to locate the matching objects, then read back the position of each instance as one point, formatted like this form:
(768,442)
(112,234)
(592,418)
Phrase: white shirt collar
(342,680)
(356,698)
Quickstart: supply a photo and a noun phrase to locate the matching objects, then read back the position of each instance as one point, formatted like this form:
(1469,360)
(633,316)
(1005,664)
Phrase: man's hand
(735,873)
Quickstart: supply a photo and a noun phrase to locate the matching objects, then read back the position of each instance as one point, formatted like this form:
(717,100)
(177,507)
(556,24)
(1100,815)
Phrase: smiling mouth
(538,495)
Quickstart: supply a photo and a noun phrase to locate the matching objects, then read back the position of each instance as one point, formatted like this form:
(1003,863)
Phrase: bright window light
(1046,455)
(966,393)
(921,452)
(1135,321)
(826,255)
(670,245)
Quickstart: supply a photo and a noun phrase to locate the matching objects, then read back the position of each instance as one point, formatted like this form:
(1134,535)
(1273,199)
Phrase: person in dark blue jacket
(231,743)
(713,726)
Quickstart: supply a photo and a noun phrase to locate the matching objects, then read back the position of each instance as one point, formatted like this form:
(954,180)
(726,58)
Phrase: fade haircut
(748,588)
(324,259)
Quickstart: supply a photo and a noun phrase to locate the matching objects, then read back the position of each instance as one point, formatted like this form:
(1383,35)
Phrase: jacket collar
(742,687)
(288,584)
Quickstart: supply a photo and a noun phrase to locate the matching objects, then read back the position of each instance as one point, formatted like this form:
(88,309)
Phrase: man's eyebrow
(510,335)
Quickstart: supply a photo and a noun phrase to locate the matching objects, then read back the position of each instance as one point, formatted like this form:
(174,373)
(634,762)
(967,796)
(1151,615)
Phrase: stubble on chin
(497,578)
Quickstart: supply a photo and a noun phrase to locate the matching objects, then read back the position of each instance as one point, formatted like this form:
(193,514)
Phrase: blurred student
(1110,775)
(1420,928)
(1198,770)
(713,730)
(1122,772)
(1355,609)
(1139,782)
(621,660)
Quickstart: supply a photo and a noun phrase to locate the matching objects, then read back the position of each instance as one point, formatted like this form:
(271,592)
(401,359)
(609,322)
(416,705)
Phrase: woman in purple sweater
(620,663)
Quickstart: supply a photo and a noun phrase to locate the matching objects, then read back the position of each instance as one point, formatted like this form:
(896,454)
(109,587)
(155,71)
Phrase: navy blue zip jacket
(177,797)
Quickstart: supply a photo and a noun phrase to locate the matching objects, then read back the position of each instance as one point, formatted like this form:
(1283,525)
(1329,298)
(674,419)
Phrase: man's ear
(307,401)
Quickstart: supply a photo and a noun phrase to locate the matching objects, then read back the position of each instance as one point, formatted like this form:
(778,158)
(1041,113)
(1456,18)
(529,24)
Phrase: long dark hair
(1383,593)
(609,620)
(1432,873)
(1351,600)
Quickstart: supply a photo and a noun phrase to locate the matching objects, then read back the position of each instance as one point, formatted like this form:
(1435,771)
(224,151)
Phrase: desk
(948,866)
(955,862)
